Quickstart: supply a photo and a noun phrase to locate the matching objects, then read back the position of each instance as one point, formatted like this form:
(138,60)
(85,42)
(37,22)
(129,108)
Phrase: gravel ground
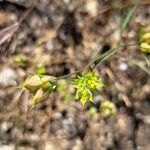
(63,36)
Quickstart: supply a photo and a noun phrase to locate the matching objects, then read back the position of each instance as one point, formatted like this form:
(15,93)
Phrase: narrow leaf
(129,16)
(105,56)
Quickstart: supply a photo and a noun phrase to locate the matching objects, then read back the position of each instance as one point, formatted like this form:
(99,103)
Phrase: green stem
(70,74)
(100,59)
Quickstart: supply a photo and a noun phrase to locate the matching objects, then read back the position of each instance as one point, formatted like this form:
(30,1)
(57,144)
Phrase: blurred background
(59,37)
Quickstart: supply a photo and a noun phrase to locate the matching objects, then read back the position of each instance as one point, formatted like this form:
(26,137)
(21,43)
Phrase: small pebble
(7,77)
(91,7)
(123,66)
(7,147)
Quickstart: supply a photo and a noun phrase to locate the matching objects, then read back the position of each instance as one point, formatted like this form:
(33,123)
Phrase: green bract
(85,85)
(40,96)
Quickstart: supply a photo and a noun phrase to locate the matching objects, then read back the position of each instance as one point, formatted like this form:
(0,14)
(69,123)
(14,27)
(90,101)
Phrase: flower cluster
(40,86)
(108,109)
(145,41)
(85,85)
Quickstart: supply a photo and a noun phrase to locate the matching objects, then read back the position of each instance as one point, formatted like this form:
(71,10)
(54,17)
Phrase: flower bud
(108,109)
(146,37)
(32,83)
(47,78)
(47,86)
(40,96)
(145,47)
(145,41)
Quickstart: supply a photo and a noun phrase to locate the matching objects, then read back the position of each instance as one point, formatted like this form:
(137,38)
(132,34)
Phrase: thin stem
(70,74)
(106,55)
(98,60)
(146,59)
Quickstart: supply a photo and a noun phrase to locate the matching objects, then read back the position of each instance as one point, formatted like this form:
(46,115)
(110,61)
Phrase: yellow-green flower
(145,41)
(86,85)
